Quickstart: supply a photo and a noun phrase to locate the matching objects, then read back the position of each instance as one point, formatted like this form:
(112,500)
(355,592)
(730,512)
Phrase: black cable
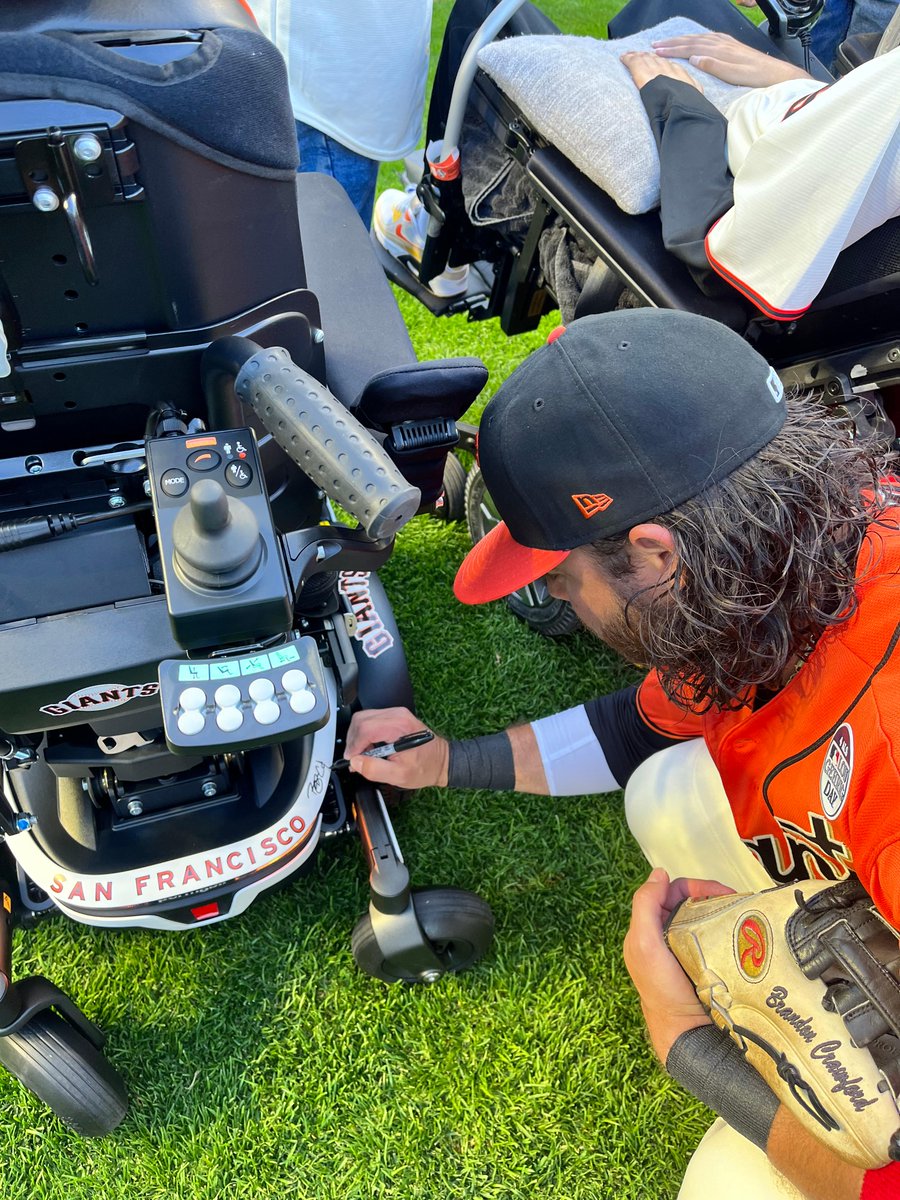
(16,534)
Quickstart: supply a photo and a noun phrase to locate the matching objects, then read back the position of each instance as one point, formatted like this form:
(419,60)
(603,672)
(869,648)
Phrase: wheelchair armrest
(364,331)
(631,245)
(856,50)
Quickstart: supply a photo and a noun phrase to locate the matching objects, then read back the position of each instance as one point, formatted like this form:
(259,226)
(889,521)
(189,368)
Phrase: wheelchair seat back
(147,205)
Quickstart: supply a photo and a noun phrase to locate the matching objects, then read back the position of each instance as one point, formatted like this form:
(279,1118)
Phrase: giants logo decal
(812,853)
(100,696)
(370,628)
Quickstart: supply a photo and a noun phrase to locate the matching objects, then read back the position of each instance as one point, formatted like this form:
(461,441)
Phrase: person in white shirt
(357,71)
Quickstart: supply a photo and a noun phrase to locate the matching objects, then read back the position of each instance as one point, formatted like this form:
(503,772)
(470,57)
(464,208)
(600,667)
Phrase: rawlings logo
(590,505)
(751,946)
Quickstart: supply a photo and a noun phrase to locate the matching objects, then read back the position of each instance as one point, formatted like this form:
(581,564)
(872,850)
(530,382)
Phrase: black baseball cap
(616,421)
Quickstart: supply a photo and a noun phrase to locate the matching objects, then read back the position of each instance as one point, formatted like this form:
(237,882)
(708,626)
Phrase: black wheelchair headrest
(107,16)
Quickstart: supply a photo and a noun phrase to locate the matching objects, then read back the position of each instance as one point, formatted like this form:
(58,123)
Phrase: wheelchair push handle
(327,442)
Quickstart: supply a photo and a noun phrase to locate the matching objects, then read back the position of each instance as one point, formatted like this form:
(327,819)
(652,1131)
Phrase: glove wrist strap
(710,1066)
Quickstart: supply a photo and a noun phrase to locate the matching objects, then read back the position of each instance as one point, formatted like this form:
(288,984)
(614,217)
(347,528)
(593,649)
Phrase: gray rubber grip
(327,442)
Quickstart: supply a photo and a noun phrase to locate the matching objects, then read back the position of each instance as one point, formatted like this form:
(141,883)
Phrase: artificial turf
(261,1064)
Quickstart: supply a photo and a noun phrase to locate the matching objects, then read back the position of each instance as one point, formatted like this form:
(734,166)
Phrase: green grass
(262,1065)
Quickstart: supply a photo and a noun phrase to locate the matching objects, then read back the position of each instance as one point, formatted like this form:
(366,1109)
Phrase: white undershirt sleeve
(573,759)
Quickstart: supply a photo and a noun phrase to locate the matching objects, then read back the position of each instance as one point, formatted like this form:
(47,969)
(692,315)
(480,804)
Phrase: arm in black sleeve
(696,187)
(625,738)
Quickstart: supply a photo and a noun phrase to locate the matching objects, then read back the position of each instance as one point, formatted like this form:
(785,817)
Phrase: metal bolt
(147,488)
(430,976)
(87,148)
(25,821)
(34,465)
(45,199)
(833,387)
(318,336)
(894,355)
(116,501)
(135,808)
(209,789)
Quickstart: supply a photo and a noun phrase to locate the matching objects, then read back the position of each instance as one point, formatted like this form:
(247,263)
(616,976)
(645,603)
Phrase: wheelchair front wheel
(533,603)
(458,924)
(62,1068)
(453,507)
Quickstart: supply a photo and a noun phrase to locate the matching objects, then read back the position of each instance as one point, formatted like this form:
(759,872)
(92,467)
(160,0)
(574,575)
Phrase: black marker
(386,749)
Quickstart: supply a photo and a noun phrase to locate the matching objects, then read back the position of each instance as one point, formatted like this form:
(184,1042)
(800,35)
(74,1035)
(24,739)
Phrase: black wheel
(61,1067)
(532,604)
(458,924)
(453,507)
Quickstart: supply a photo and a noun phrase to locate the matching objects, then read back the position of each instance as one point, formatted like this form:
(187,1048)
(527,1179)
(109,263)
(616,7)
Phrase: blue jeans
(842,18)
(356,175)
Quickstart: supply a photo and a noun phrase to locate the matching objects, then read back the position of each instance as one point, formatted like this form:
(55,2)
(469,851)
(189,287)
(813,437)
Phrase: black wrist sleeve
(482,762)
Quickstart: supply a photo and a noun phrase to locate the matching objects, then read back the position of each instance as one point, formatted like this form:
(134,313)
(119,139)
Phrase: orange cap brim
(498,565)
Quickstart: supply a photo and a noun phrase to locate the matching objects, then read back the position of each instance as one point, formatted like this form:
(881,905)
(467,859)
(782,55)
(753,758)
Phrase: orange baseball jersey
(813,775)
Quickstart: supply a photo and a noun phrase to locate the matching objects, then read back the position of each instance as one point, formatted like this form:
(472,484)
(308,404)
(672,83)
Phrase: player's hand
(643,66)
(425,766)
(668,999)
(729,60)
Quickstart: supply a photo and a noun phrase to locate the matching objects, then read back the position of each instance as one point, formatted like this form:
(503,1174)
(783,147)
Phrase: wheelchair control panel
(240,701)
(225,576)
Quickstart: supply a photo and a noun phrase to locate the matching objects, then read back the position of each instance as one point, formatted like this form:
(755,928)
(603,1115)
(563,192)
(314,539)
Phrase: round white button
(191,722)
(262,689)
(229,719)
(293,681)
(228,695)
(267,712)
(192,699)
(302,702)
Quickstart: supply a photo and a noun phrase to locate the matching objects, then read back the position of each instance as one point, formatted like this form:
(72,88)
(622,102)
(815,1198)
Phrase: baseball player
(740,545)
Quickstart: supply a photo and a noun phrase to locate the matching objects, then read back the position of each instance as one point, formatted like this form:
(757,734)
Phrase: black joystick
(225,574)
(215,538)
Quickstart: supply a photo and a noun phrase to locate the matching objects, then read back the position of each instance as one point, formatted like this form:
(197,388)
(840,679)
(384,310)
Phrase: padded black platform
(365,331)
(640,256)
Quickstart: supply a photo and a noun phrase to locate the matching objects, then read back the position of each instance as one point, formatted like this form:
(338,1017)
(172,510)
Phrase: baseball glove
(804,978)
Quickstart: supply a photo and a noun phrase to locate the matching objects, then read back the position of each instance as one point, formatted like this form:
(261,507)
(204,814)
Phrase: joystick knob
(215,538)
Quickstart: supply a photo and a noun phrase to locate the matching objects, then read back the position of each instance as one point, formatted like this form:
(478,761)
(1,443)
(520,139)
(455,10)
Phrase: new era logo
(591,505)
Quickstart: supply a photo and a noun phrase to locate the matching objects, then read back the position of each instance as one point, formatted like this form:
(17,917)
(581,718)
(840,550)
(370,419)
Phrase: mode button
(174,482)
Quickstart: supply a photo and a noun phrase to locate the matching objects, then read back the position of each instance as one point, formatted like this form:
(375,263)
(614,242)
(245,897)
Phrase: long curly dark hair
(766,563)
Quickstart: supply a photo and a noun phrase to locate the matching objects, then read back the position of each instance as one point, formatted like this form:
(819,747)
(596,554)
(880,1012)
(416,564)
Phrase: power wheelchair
(202,358)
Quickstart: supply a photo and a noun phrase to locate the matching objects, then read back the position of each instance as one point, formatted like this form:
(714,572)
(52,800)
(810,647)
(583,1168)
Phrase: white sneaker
(400,223)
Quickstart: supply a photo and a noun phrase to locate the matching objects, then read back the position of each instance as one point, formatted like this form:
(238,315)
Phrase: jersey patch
(837,769)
